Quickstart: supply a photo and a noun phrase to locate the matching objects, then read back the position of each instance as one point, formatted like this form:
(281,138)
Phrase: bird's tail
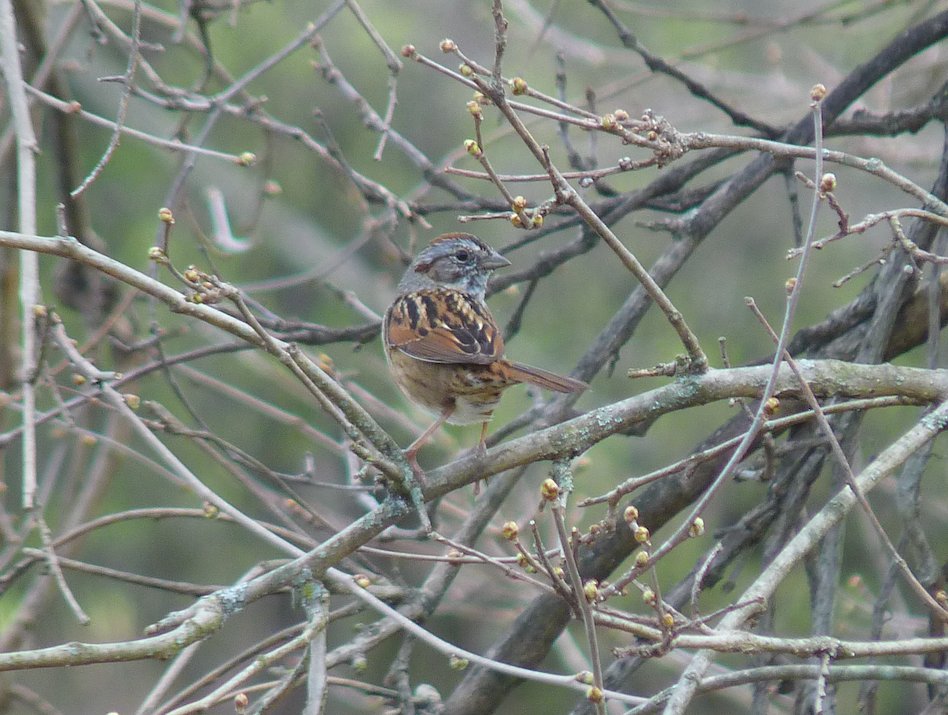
(546,380)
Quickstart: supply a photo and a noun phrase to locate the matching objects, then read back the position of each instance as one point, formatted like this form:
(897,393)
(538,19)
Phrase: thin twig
(30,295)
(134,56)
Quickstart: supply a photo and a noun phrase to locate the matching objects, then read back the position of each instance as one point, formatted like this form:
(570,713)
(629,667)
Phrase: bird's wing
(444,326)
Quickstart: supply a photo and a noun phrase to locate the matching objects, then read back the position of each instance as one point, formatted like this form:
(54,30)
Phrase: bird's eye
(463,255)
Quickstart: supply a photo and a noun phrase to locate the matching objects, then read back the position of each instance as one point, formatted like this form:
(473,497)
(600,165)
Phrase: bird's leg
(481,453)
(482,445)
(411,454)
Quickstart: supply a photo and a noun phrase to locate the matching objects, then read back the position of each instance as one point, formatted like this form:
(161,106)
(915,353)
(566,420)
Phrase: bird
(443,347)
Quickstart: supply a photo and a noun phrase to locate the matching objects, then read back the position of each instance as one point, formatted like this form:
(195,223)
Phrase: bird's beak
(492,263)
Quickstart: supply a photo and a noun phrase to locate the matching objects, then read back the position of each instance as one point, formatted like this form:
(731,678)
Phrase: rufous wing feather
(439,345)
(444,326)
(544,379)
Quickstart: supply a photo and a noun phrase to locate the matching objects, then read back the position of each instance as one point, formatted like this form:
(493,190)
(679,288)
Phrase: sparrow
(444,348)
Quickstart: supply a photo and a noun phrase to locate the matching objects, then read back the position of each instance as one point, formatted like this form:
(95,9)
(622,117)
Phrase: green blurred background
(317,215)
